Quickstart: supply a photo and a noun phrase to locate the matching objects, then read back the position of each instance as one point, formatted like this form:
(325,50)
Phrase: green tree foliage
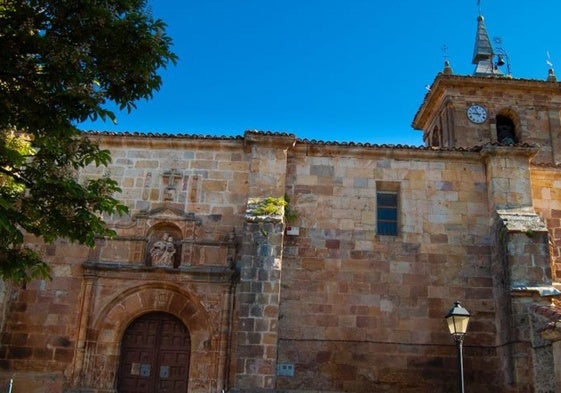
(63,62)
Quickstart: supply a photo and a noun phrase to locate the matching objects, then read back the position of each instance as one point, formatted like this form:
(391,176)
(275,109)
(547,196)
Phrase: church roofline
(136,134)
(310,147)
(249,136)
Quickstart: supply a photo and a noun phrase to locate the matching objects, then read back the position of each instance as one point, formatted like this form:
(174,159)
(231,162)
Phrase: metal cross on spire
(447,68)
(445,52)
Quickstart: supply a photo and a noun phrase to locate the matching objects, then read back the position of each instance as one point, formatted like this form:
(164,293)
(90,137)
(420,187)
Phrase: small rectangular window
(387,212)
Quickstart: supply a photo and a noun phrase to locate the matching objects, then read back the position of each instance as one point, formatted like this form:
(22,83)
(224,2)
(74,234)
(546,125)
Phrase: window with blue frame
(387,213)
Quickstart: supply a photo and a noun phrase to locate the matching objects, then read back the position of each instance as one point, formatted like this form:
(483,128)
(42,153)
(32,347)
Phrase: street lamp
(458,319)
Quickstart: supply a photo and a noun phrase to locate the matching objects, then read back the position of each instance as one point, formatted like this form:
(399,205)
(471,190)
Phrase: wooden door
(155,354)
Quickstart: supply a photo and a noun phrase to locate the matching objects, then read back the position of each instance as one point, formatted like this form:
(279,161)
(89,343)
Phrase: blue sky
(332,70)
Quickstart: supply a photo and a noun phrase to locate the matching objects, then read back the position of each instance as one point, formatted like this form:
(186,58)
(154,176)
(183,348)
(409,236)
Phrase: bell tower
(492,107)
(513,126)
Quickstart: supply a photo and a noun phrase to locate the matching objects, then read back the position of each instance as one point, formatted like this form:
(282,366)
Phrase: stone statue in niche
(162,252)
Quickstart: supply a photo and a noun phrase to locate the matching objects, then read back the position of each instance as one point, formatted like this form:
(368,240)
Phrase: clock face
(477,114)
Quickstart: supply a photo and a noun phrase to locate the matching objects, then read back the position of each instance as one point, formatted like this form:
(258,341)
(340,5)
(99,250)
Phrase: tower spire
(483,52)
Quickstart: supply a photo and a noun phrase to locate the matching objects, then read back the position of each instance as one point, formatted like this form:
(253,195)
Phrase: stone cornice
(173,141)
(389,152)
(402,152)
(313,147)
(269,139)
(194,273)
(162,141)
(496,149)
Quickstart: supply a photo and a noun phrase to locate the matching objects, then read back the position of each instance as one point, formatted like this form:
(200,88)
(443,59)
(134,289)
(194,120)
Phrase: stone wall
(547,377)
(362,312)
(70,328)
(546,192)
(206,177)
(39,334)
(330,305)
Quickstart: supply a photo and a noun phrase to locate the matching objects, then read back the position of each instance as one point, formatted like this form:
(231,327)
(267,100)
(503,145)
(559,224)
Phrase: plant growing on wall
(272,207)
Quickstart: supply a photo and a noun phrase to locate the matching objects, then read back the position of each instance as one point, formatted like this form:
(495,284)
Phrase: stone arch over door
(103,344)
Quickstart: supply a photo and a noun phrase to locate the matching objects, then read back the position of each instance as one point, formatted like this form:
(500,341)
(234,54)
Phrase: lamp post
(458,319)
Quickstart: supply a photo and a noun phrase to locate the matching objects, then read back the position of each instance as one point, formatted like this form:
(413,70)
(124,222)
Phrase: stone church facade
(205,290)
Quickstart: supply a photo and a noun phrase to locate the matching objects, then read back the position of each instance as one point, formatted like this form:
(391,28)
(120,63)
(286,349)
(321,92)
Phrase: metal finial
(445,52)
(447,67)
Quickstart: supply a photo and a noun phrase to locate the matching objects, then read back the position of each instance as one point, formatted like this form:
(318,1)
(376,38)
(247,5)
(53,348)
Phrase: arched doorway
(155,353)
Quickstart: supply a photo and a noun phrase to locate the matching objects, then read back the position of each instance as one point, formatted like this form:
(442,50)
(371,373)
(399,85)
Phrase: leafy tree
(63,62)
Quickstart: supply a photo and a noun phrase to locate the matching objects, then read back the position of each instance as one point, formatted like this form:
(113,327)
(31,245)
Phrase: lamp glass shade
(458,320)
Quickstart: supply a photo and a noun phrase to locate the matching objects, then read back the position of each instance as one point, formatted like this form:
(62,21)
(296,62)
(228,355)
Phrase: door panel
(155,354)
